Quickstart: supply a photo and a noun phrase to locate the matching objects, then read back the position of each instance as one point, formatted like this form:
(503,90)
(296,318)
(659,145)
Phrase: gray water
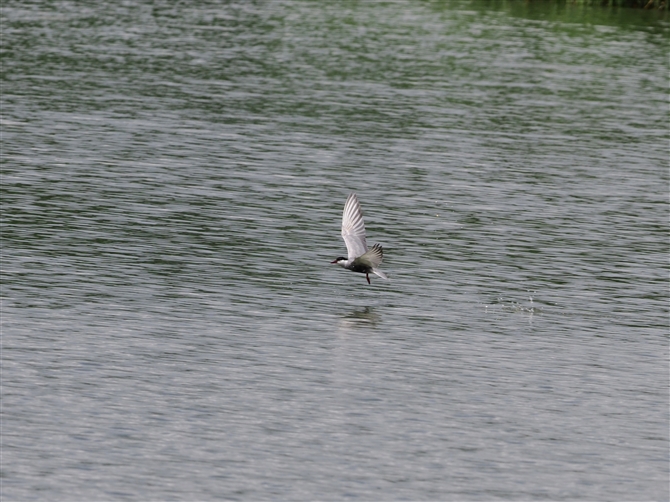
(173,184)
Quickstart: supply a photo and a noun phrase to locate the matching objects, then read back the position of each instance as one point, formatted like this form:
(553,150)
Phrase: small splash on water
(510,305)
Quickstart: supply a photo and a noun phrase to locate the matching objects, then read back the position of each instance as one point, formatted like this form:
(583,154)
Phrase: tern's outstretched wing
(372,258)
(353,228)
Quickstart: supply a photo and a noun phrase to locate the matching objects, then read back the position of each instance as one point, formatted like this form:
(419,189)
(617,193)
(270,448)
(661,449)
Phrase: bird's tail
(381,274)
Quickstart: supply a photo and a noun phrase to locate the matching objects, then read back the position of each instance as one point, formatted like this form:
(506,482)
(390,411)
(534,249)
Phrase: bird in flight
(361,259)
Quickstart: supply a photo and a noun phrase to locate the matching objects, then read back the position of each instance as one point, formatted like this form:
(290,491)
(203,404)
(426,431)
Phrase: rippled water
(173,184)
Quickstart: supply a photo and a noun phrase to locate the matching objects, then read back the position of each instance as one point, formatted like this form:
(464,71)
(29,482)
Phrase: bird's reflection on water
(360,317)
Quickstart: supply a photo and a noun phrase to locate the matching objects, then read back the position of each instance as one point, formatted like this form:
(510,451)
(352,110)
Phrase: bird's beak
(334,261)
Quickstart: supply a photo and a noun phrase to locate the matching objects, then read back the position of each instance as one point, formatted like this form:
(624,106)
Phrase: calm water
(173,184)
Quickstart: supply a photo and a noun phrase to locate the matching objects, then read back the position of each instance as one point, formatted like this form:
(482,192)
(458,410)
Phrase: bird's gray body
(360,259)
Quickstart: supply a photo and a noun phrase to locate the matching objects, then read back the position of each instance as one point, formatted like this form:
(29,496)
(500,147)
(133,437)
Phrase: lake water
(173,182)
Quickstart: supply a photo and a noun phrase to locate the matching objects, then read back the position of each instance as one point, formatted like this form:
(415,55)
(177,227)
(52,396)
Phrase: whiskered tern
(361,259)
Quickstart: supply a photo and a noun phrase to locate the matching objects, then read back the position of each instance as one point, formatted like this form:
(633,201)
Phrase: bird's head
(340,261)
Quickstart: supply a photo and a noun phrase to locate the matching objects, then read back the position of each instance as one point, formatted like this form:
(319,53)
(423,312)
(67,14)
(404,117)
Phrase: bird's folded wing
(353,228)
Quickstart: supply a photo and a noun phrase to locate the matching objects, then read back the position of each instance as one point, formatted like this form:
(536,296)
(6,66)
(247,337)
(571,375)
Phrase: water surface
(173,184)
